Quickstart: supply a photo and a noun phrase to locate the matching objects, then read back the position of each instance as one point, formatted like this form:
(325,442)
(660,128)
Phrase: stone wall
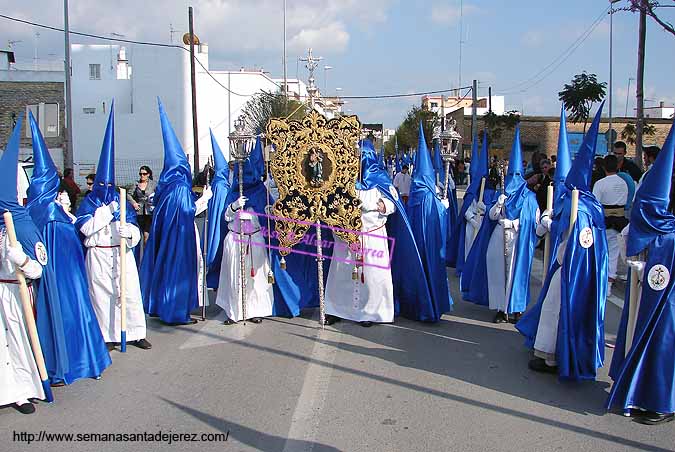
(540,133)
(15,96)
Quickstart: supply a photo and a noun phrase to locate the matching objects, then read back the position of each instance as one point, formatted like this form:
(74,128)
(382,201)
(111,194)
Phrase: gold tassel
(282,263)
(355,273)
(270,277)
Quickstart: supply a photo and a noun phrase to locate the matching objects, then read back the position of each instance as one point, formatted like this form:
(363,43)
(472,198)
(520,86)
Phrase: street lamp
(325,77)
(610,142)
(240,148)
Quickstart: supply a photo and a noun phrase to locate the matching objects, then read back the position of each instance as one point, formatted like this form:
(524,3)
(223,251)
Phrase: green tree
(407,133)
(266,105)
(580,95)
(496,124)
(629,132)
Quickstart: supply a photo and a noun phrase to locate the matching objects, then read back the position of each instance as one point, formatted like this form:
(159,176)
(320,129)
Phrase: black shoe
(229,322)
(142,343)
(539,365)
(110,346)
(652,418)
(25,408)
(515,317)
(501,317)
(189,322)
(255,320)
(331,319)
(57,384)
(366,324)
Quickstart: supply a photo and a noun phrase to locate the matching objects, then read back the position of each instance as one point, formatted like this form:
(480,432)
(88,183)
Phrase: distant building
(38,88)
(134,77)
(454,103)
(660,112)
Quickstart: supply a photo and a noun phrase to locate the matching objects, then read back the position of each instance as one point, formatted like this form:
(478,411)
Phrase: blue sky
(386,46)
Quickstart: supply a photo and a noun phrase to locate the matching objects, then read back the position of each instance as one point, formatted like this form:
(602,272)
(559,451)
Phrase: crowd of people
(583,219)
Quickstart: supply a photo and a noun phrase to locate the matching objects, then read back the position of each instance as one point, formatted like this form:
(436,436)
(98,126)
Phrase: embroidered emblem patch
(586,238)
(658,277)
(41,253)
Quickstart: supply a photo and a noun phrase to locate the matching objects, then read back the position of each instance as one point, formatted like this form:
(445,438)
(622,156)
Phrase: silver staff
(205,250)
(240,148)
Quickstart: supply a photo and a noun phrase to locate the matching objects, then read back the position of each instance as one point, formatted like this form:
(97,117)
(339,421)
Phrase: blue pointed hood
(424,174)
(650,216)
(372,174)
(104,183)
(579,176)
(44,184)
(104,191)
(479,165)
(221,168)
(176,167)
(514,176)
(26,231)
(563,158)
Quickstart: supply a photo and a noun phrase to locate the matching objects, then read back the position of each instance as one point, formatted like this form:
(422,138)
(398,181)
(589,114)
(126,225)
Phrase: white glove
(637,266)
(63,200)
(239,203)
(445,203)
(546,222)
(113,206)
(207,193)
(475,222)
(481,208)
(546,213)
(269,209)
(16,255)
(501,200)
(125,231)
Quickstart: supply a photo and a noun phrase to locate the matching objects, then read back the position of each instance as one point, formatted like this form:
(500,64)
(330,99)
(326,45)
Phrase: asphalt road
(285,385)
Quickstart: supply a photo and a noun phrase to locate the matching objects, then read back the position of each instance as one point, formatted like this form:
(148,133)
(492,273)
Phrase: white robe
(372,300)
(102,240)
(259,293)
(19,378)
(546,340)
(498,288)
(470,232)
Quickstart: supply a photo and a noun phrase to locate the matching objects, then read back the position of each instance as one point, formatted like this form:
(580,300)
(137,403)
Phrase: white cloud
(332,38)
(449,14)
(532,38)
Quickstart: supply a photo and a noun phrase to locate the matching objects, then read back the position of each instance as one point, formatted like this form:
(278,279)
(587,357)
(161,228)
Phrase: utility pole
(640,96)
(490,99)
(285,87)
(68,157)
(193,82)
(474,113)
(461,18)
(610,142)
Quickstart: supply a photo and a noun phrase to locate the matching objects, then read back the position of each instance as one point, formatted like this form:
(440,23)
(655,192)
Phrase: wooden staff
(547,237)
(480,199)
(506,252)
(574,212)
(633,304)
(123,272)
(28,313)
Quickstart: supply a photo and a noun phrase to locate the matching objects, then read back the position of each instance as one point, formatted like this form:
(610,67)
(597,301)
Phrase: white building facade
(135,77)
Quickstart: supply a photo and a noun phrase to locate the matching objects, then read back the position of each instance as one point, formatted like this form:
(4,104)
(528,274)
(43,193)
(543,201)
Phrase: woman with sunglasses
(140,198)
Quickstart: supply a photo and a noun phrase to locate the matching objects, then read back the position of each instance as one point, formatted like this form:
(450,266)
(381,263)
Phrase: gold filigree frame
(335,202)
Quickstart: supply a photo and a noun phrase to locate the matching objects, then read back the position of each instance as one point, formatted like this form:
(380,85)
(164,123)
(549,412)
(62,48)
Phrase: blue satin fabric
(477,170)
(521,204)
(217,227)
(411,293)
(428,221)
(26,232)
(169,271)
(104,191)
(476,268)
(70,337)
(645,378)
(650,217)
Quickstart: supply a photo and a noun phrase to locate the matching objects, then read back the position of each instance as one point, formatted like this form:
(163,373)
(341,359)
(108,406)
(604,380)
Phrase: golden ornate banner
(315,167)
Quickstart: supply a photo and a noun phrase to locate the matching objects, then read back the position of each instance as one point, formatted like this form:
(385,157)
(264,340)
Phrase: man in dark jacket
(626,165)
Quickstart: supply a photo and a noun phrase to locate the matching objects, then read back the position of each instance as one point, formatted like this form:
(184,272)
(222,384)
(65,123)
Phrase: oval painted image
(316,167)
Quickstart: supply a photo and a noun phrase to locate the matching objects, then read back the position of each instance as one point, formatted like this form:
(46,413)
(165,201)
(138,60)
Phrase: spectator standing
(402,183)
(626,165)
(69,185)
(538,182)
(90,183)
(140,196)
